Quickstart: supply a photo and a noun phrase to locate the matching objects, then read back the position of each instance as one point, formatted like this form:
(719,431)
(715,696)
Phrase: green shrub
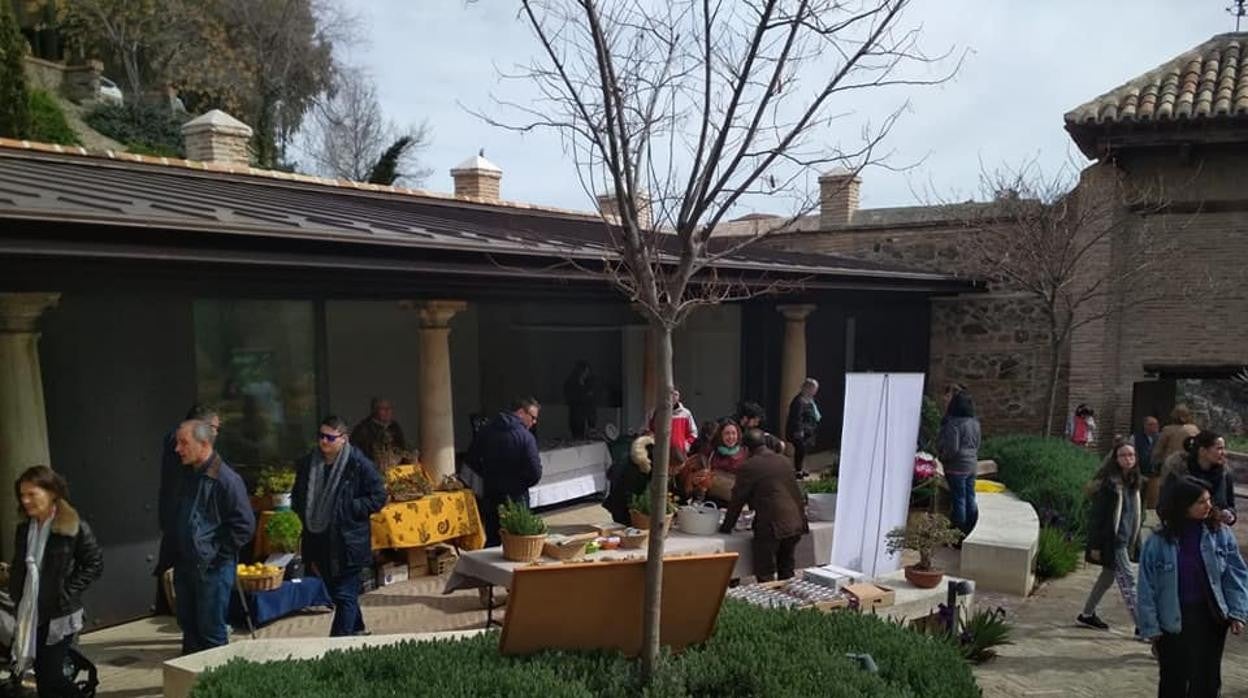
(283,531)
(518,520)
(14,100)
(929,425)
(1239,444)
(821,485)
(754,652)
(640,503)
(47,121)
(147,126)
(1057,555)
(1047,473)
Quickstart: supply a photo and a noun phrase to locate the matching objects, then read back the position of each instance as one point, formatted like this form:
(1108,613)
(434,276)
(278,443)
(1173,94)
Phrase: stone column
(793,362)
(23,420)
(437,418)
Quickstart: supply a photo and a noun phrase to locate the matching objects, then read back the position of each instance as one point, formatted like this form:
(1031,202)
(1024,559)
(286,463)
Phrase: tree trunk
(1050,403)
(658,501)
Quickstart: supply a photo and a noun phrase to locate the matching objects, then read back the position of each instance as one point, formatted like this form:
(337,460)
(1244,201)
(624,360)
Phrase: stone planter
(924,579)
(821,506)
(280,501)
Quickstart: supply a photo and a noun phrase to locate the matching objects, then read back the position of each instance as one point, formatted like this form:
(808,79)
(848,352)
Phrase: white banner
(878,442)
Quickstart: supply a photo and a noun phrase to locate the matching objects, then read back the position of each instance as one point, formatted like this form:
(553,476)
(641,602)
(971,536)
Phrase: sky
(1026,63)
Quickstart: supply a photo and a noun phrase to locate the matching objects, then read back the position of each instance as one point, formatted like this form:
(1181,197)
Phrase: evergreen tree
(386,170)
(14,101)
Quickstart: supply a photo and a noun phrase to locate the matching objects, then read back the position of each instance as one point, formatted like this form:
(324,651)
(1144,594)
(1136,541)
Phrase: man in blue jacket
(212,520)
(504,453)
(337,488)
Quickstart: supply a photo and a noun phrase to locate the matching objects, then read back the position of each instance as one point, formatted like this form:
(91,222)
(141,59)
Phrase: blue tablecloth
(268,606)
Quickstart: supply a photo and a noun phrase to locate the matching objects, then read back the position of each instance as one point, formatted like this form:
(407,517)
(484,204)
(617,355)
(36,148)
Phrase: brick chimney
(477,178)
(838,197)
(609,207)
(217,137)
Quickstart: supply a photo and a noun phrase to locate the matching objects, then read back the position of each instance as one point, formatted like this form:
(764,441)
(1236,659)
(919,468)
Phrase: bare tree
(1080,254)
(679,109)
(349,133)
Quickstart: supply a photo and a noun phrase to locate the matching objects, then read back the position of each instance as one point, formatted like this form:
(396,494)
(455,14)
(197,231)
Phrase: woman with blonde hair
(1173,436)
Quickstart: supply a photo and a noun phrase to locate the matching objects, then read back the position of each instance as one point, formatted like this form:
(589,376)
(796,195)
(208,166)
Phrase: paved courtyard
(1051,656)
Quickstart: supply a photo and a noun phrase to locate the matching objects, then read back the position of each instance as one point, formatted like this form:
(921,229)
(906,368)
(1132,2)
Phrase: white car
(109,92)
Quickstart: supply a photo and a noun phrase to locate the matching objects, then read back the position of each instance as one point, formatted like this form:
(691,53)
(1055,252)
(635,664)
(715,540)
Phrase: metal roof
(93,191)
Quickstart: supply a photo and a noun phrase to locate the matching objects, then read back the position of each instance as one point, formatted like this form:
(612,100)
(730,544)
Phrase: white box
(391,573)
(832,576)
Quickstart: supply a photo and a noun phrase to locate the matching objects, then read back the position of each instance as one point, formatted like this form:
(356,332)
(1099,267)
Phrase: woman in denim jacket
(1193,586)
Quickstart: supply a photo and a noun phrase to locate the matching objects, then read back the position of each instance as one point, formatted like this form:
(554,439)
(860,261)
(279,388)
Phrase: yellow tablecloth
(434,518)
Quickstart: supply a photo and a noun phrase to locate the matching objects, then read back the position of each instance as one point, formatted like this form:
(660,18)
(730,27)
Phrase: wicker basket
(634,542)
(522,548)
(268,582)
(642,521)
(568,549)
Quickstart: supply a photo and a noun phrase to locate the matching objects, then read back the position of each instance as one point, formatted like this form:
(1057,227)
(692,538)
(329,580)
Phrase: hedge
(1049,474)
(142,127)
(47,121)
(754,652)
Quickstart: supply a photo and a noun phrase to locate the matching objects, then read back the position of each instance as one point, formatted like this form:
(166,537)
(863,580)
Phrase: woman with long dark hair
(1204,458)
(958,448)
(1114,523)
(1193,587)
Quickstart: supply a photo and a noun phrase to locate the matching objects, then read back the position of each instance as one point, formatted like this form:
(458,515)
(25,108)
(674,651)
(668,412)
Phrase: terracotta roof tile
(1208,82)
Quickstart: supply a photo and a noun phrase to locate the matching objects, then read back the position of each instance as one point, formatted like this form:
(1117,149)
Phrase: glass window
(256,361)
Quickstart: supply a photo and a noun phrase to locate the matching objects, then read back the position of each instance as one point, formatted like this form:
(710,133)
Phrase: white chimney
(838,197)
(477,178)
(217,137)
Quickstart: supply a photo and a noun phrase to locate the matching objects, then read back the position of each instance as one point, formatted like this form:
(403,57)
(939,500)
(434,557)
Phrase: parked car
(109,92)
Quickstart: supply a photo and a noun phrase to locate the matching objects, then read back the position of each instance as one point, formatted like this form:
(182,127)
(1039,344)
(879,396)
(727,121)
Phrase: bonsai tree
(283,532)
(926,533)
(518,520)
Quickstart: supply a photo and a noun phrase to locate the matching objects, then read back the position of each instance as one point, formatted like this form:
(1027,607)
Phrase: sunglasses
(328,437)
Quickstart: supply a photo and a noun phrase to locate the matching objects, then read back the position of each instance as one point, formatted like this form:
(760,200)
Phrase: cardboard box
(417,562)
(391,573)
(832,576)
(871,596)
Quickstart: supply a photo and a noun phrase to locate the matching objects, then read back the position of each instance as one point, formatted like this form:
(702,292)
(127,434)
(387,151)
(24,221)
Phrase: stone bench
(180,674)
(1000,554)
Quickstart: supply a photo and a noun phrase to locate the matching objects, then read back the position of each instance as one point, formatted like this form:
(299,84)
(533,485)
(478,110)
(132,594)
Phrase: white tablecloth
(479,568)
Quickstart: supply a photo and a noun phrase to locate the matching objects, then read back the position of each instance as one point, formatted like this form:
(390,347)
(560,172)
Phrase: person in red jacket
(684,427)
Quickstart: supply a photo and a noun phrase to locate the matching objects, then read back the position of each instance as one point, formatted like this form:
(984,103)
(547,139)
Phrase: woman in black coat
(1114,523)
(58,546)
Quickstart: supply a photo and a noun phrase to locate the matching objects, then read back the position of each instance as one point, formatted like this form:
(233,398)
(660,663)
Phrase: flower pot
(281,501)
(924,579)
(522,548)
(642,521)
(821,506)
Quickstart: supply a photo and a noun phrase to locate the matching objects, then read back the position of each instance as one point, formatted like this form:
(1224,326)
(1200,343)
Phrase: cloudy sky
(1027,62)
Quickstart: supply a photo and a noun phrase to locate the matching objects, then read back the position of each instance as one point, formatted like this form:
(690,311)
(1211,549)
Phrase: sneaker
(1092,621)
(802,475)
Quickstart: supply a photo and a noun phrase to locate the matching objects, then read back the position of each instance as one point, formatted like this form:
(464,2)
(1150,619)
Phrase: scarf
(727,450)
(323,494)
(814,406)
(24,642)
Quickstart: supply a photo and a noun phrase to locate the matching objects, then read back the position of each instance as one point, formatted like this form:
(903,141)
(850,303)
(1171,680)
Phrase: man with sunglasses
(504,454)
(337,488)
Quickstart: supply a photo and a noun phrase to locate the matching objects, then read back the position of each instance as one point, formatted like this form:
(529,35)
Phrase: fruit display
(257,570)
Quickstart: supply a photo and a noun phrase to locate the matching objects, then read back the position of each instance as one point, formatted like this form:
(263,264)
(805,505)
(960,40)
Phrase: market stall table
(433,518)
(267,606)
(487,568)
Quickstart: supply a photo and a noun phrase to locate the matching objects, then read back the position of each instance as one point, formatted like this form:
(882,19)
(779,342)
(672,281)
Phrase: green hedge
(754,652)
(1056,554)
(1047,473)
(144,128)
(47,121)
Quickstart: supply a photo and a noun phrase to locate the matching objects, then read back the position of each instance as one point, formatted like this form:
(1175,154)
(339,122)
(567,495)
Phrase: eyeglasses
(328,437)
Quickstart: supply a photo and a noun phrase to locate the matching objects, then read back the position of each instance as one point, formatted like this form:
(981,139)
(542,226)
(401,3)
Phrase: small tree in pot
(925,533)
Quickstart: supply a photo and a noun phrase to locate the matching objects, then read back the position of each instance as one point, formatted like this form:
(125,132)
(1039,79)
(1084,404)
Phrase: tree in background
(350,137)
(14,101)
(145,38)
(679,109)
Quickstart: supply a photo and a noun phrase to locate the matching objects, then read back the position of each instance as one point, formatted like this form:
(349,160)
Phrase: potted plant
(821,498)
(639,512)
(522,531)
(277,483)
(923,535)
(283,532)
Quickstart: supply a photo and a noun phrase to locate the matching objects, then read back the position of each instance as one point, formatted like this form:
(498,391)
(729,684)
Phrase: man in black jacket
(212,520)
(504,453)
(337,488)
(171,470)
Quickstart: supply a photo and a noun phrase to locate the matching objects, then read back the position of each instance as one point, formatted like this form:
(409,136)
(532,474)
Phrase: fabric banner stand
(878,438)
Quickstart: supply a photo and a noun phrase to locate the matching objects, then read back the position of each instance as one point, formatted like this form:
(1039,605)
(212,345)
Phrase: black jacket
(505,453)
(1104,516)
(347,543)
(1220,480)
(212,518)
(71,561)
(803,425)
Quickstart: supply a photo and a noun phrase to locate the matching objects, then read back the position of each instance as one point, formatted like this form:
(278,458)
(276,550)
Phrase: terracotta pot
(522,548)
(924,579)
(642,521)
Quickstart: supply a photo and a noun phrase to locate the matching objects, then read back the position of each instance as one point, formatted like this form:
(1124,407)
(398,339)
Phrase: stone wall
(78,83)
(994,343)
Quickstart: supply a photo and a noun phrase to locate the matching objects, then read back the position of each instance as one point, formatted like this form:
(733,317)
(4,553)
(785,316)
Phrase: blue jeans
(203,600)
(965,512)
(345,592)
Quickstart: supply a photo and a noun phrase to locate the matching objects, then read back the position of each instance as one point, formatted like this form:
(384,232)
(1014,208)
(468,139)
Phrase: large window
(256,361)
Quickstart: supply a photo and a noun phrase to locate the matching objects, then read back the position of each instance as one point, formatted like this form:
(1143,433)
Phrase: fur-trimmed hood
(65,522)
